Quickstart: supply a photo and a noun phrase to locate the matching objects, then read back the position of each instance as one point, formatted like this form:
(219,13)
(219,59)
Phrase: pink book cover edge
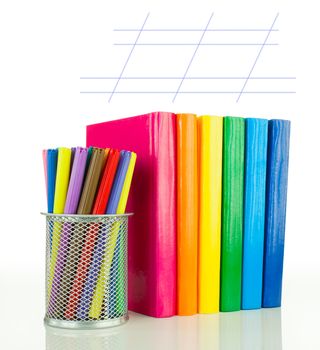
(152,257)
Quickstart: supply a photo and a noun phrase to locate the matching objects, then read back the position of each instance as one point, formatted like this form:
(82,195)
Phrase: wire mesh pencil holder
(86,270)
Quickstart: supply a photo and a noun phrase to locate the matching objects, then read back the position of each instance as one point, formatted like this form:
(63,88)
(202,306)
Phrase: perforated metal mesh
(86,267)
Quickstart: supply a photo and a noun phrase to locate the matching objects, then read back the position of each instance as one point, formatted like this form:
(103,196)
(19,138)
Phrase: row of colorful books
(209,203)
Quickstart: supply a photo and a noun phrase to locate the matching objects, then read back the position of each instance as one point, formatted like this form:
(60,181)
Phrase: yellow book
(96,305)
(210,183)
(61,188)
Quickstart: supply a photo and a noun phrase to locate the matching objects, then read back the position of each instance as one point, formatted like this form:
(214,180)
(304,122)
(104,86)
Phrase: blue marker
(118,182)
(99,251)
(52,158)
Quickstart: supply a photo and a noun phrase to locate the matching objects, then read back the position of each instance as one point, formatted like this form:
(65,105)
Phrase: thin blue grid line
(256,60)
(192,57)
(183,78)
(196,30)
(189,92)
(186,78)
(194,44)
(124,67)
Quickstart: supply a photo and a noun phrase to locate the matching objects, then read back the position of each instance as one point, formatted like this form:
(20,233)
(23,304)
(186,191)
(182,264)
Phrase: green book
(232,213)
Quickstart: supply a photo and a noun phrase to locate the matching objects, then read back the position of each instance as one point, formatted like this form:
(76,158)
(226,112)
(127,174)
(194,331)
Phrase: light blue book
(254,212)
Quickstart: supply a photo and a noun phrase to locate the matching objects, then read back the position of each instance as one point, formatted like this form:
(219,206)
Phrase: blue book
(52,158)
(275,219)
(100,248)
(254,212)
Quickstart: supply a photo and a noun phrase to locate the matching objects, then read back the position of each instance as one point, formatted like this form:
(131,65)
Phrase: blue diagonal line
(256,60)
(195,51)
(125,65)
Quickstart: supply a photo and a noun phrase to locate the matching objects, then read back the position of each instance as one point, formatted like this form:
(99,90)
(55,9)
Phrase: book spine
(210,182)
(254,211)
(232,213)
(187,214)
(164,230)
(276,200)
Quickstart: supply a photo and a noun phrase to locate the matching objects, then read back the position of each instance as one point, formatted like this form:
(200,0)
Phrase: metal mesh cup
(86,270)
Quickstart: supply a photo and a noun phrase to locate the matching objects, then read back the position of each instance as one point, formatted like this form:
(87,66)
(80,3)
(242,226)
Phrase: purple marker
(72,201)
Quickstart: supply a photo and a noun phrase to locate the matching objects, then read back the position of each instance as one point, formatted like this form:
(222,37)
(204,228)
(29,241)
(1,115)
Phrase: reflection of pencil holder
(86,270)
(68,339)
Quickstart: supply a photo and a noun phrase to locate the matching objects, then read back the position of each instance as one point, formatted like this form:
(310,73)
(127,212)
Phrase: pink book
(152,199)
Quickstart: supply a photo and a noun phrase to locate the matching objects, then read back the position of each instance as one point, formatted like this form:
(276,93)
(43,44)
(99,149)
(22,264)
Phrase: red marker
(99,207)
(101,201)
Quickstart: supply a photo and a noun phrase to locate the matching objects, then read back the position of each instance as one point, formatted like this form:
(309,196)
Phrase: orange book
(187,209)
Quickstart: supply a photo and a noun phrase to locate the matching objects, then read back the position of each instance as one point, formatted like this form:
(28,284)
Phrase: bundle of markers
(87,180)
(82,181)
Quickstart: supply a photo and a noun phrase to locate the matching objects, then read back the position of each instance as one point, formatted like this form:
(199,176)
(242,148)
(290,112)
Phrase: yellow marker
(126,186)
(210,183)
(62,180)
(60,195)
(104,275)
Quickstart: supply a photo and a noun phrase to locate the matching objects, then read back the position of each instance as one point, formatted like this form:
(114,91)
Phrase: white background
(45,47)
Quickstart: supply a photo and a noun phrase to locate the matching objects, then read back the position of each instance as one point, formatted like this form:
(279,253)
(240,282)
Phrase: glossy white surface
(238,330)
(294,326)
